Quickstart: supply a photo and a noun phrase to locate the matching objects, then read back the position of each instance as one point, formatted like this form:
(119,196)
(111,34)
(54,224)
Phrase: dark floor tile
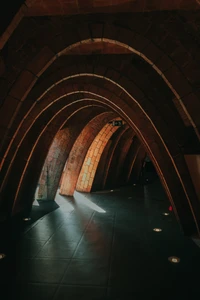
(76,222)
(66,235)
(28,248)
(93,237)
(127,272)
(133,292)
(50,223)
(59,237)
(121,294)
(100,227)
(58,250)
(136,268)
(155,293)
(87,272)
(32,291)
(40,233)
(87,250)
(107,216)
(80,293)
(71,228)
(83,215)
(43,270)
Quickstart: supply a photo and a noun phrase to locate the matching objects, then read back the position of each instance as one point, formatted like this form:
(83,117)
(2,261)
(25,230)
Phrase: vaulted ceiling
(68,69)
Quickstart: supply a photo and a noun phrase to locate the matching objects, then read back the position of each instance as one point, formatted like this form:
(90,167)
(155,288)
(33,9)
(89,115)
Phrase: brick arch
(60,149)
(93,156)
(101,168)
(30,157)
(110,154)
(159,61)
(139,94)
(41,105)
(153,61)
(79,151)
(136,146)
(142,46)
(151,148)
(130,161)
(55,105)
(137,164)
(119,155)
(179,133)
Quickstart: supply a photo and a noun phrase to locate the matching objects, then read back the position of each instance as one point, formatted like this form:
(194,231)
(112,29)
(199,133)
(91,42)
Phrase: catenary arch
(180,133)
(110,157)
(137,165)
(60,149)
(40,105)
(119,157)
(30,122)
(106,158)
(36,68)
(32,152)
(25,148)
(79,151)
(137,149)
(92,158)
(149,150)
(177,93)
(86,74)
(22,131)
(114,74)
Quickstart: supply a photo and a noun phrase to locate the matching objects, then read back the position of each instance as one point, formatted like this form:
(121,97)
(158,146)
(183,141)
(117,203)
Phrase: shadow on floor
(44,208)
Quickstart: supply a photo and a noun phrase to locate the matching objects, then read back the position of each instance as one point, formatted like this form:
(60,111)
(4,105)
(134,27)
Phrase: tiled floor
(86,253)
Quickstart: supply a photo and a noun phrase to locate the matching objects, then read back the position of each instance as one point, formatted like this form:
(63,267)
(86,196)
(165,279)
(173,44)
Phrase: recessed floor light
(26,219)
(165,214)
(111,190)
(2,255)
(134,184)
(174,259)
(130,197)
(157,229)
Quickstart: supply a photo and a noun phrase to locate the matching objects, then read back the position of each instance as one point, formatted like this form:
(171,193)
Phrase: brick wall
(92,158)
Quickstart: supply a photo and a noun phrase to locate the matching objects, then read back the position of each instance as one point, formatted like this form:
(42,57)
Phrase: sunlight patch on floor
(82,199)
(63,202)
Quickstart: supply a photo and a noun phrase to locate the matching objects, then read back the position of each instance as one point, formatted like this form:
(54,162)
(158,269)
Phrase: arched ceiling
(65,7)
(88,69)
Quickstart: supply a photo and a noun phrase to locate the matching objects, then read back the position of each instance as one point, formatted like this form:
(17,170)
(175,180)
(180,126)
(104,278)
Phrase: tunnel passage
(114,65)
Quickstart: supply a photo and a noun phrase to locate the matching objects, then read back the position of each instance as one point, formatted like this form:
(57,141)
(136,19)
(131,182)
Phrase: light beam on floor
(35,203)
(63,202)
(85,201)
